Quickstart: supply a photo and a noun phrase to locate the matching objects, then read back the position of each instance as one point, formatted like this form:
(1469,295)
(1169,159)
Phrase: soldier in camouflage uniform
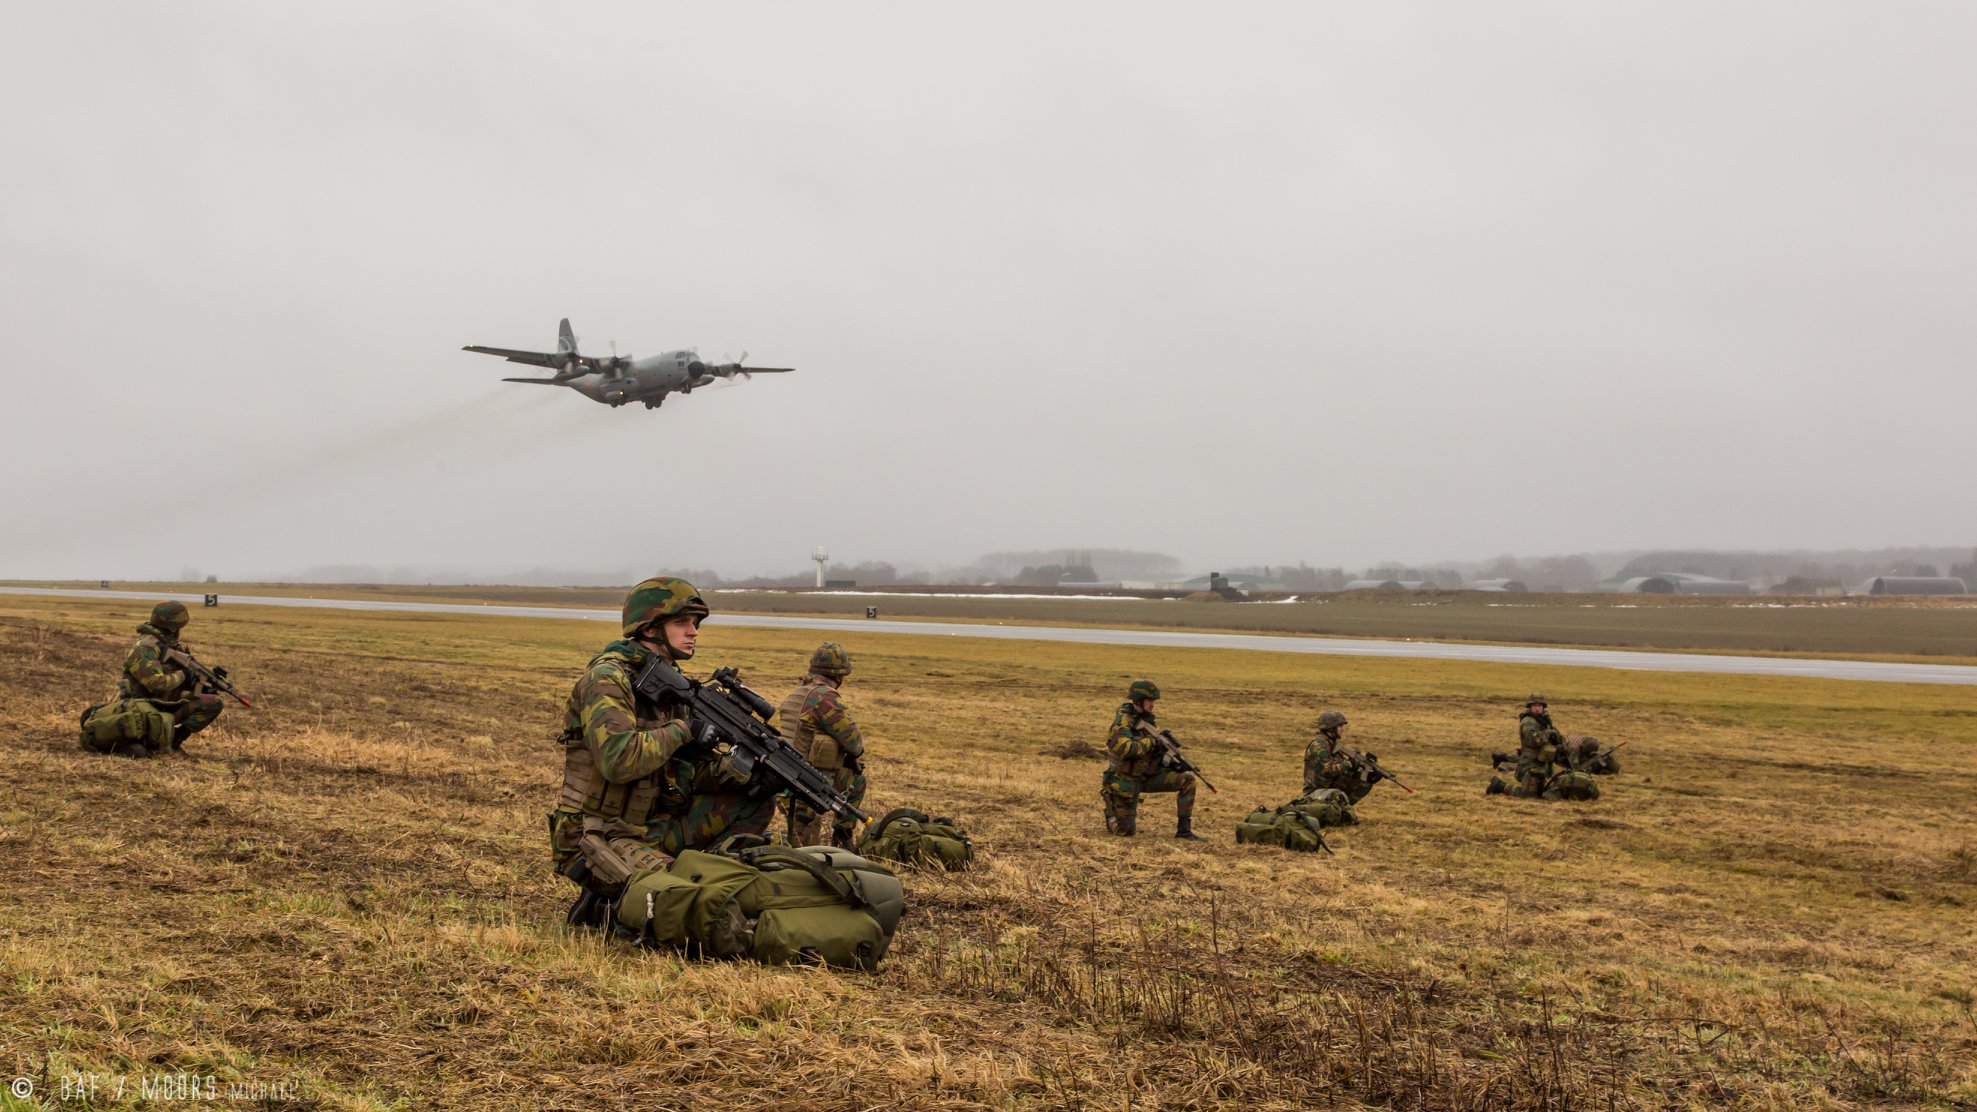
(1329,764)
(638,784)
(150,673)
(1137,767)
(1540,750)
(814,721)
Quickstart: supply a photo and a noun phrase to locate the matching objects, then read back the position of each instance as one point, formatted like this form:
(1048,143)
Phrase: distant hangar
(1914,585)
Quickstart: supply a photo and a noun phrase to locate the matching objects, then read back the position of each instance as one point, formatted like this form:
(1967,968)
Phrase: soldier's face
(682,634)
(1536,708)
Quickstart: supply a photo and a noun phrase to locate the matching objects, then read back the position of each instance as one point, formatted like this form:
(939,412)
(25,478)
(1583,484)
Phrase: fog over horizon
(1245,284)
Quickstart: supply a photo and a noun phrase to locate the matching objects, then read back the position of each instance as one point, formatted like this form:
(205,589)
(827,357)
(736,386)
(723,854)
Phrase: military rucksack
(1299,824)
(770,903)
(910,837)
(1578,787)
(107,727)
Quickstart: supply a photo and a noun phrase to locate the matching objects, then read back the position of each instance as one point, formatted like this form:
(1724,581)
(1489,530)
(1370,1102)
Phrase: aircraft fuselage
(648,379)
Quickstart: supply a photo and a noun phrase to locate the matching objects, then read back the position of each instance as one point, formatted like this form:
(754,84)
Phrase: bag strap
(768,858)
(879,828)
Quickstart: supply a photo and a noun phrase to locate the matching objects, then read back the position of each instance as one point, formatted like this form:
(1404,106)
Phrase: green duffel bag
(1260,828)
(1282,827)
(1577,787)
(106,727)
(1325,806)
(910,837)
(771,903)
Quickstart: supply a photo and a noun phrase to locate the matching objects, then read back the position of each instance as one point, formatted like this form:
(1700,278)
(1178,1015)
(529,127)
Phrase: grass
(1940,630)
(346,891)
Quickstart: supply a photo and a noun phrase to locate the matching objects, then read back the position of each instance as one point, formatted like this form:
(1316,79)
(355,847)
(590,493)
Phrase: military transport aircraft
(616,379)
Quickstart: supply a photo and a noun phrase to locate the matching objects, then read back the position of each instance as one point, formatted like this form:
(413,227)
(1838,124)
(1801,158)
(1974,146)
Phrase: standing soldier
(153,673)
(814,721)
(637,785)
(1137,767)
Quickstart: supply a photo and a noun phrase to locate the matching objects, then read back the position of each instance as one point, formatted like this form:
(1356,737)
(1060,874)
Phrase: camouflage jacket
(147,673)
(1537,739)
(1326,766)
(1130,745)
(814,720)
(618,749)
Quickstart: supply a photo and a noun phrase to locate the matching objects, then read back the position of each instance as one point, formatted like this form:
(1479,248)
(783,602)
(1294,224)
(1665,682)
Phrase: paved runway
(1332,646)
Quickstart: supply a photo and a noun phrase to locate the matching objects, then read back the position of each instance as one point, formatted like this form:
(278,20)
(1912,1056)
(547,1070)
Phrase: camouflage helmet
(830,659)
(1538,698)
(659,598)
(1143,689)
(1331,720)
(170,616)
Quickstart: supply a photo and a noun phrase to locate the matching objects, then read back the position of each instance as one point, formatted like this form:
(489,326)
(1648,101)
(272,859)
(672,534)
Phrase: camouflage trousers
(806,827)
(191,714)
(1354,787)
(620,855)
(1122,797)
(708,818)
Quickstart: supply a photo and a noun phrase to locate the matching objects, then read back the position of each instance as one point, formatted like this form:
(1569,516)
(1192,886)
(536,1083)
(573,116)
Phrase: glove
(728,770)
(700,736)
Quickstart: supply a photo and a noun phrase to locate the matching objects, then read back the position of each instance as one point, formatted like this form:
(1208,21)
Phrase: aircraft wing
(533,358)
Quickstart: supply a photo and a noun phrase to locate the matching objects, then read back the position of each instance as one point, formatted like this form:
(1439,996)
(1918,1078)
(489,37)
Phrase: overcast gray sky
(1235,282)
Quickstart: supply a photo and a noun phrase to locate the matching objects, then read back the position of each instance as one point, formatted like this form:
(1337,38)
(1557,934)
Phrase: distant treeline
(1050,567)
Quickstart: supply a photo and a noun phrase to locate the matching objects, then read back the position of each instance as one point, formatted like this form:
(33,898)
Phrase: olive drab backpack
(106,727)
(1578,787)
(770,903)
(1299,824)
(911,838)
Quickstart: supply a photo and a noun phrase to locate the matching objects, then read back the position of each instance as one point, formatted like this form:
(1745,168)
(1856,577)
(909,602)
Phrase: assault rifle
(725,714)
(1497,759)
(1170,755)
(1367,762)
(215,678)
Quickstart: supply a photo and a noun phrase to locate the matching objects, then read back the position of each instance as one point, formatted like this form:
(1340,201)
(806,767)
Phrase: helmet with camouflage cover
(830,659)
(659,598)
(1143,689)
(170,617)
(1331,720)
(1537,699)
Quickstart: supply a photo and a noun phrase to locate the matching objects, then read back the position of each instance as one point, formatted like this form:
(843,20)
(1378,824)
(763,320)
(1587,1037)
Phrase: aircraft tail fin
(566,340)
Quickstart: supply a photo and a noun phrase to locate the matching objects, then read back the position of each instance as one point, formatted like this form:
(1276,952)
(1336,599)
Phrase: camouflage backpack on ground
(1579,787)
(910,837)
(769,903)
(1299,824)
(120,723)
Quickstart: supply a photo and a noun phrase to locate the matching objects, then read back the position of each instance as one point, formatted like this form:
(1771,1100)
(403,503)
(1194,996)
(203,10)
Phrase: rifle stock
(182,656)
(1170,751)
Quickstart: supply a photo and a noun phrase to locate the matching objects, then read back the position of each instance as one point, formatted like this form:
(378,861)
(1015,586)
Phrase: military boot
(1497,786)
(1184,830)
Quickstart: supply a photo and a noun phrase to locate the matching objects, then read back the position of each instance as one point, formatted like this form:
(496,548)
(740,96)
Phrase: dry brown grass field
(345,892)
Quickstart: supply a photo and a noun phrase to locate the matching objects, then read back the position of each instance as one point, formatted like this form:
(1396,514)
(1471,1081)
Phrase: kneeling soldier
(152,673)
(1328,764)
(1138,767)
(637,789)
(814,720)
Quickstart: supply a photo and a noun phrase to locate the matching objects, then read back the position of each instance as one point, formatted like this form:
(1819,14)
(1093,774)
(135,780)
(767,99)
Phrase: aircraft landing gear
(652,405)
